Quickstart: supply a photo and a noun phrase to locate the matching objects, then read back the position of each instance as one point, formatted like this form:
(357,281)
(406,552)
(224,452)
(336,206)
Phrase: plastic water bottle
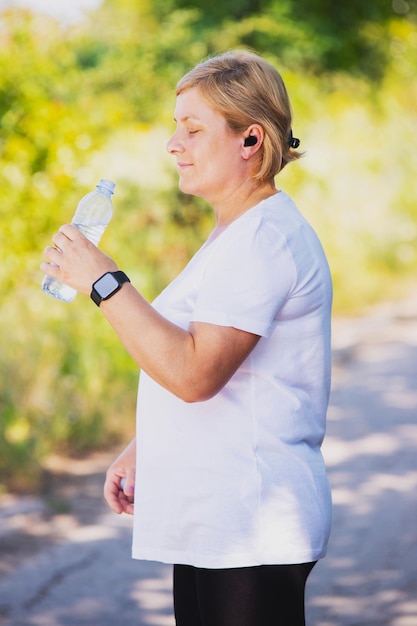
(93,213)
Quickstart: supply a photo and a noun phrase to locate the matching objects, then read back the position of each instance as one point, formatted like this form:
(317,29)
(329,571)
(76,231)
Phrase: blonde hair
(246,89)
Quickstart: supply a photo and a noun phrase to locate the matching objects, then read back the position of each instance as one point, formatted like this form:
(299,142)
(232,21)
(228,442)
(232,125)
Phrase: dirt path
(66,561)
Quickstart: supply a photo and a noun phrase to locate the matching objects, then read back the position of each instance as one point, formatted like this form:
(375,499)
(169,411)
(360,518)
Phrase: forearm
(194,364)
(163,350)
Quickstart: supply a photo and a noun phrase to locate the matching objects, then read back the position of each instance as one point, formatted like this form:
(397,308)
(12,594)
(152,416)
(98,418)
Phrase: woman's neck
(228,213)
(242,201)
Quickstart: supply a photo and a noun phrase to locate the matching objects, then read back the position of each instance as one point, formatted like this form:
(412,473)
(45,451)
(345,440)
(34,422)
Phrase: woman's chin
(187,187)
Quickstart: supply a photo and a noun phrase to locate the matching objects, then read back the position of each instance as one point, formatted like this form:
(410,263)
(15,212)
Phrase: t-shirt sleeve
(247,279)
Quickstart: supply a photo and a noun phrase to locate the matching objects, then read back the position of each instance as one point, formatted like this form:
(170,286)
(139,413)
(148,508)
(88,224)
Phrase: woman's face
(208,153)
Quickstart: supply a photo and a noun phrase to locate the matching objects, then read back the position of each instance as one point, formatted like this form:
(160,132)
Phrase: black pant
(265,595)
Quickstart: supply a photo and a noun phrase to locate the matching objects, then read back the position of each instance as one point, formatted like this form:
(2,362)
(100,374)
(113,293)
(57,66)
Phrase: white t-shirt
(239,480)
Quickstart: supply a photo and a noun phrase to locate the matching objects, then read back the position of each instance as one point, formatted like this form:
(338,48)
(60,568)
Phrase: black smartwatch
(107,285)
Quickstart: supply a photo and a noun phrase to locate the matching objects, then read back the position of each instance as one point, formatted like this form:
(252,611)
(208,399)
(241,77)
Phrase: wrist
(107,285)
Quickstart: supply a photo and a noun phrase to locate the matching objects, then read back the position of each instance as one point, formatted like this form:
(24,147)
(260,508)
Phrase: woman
(230,484)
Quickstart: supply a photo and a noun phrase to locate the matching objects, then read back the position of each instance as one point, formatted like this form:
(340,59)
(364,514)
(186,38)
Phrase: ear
(252,140)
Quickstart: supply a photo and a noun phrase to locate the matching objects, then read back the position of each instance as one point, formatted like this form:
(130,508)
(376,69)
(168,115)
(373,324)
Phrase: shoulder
(265,229)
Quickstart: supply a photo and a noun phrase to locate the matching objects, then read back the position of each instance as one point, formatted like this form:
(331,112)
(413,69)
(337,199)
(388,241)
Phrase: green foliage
(320,36)
(97,99)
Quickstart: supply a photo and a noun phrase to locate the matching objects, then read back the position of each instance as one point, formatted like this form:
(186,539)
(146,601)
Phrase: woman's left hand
(75,261)
(118,497)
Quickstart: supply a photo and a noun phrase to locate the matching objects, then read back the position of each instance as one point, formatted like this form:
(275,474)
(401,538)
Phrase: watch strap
(120,277)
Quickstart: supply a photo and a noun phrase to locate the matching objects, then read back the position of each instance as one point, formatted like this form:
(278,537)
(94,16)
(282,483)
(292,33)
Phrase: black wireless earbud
(250,141)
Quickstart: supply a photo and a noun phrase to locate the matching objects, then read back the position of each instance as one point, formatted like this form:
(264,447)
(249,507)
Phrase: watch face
(106,285)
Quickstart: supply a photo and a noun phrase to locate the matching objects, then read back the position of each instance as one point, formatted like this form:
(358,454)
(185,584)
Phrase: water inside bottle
(93,232)
(55,288)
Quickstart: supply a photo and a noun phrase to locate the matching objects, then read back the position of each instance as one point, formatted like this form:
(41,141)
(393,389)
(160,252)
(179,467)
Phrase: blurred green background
(95,99)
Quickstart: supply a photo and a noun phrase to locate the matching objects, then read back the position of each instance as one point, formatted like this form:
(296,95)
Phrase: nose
(174,144)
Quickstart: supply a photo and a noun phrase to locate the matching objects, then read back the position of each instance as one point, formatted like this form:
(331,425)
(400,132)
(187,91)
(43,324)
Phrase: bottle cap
(107,184)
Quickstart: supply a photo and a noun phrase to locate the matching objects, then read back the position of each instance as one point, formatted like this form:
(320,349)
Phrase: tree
(321,36)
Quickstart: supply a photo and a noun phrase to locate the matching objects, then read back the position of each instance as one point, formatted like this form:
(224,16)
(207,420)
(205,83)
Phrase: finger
(71,232)
(115,497)
(58,240)
(50,269)
(53,253)
(126,502)
(128,488)
(112,496)
(129,508)
(61,239)
(120,503)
